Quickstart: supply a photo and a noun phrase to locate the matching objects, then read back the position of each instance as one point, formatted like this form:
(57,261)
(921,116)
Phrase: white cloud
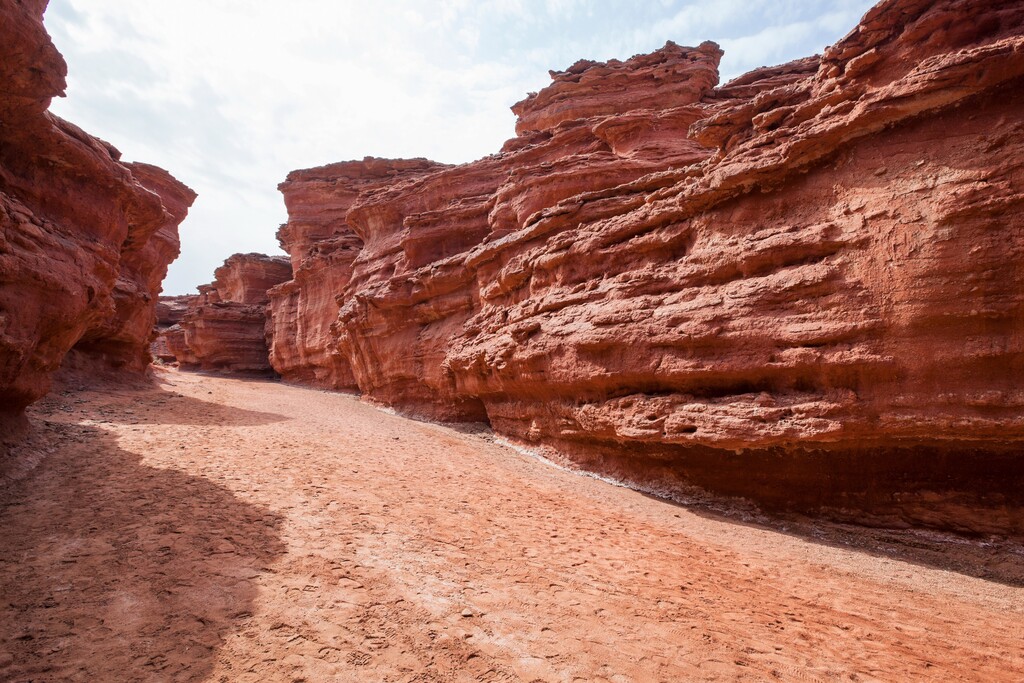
(229,95)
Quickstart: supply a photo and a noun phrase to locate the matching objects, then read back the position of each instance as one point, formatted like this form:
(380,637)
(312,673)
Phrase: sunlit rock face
(803,286)
(322,248)
(224,327)
(85,239)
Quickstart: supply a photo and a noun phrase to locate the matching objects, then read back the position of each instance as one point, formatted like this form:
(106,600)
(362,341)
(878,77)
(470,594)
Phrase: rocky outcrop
(246,278)
(224,328)
(825,312)
(671,77)
(171,348)
(85,239)
(170,310)
(800,287)
(322,247)
(123,339)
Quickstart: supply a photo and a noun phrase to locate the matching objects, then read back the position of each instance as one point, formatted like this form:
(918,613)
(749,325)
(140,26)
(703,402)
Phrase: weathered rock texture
(322,247)
(170,310)
(803,286)
(224,327)
(85,240)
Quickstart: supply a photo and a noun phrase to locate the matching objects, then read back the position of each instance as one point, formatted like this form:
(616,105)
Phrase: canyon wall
(170,310)
(85,239)
(802,287)
(322,247)
(224,327)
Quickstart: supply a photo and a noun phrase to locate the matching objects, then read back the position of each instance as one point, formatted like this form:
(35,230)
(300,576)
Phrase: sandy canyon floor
(212,529)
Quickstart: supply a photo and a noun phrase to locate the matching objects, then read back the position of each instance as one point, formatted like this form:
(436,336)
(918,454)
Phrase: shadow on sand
(111,570)
(154,405)
(172,408)
(998,560)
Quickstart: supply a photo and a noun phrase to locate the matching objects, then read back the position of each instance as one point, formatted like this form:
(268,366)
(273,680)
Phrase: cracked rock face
(85,239)
(802,286)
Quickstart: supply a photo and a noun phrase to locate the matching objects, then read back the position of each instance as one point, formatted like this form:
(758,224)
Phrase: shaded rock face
(224,327)
(85,240)
(170,310)
(802,287)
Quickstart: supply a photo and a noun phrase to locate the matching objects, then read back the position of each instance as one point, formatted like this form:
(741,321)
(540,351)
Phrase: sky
(231,95)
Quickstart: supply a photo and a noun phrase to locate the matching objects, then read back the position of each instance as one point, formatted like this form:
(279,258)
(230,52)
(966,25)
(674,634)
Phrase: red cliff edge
(85,239)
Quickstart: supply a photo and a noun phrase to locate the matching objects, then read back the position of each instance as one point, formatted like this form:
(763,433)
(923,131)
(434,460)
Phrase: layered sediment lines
(85,239)
(322,247)
(224,327)
(803,286)
(170,311)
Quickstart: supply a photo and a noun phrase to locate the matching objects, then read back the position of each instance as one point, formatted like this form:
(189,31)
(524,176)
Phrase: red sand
(223,530)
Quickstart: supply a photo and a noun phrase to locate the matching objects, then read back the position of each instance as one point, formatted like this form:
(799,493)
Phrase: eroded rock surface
(803,286)
(85,239)
(170,310)
(322,247)
(224,327)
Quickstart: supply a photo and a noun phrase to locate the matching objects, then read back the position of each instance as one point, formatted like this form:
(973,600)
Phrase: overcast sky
(230,95)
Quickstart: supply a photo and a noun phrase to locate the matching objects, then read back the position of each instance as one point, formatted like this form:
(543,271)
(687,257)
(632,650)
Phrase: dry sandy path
(224,530)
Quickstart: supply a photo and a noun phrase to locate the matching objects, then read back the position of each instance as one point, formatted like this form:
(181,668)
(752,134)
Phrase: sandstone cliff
(170,310)
(322,247)
(85,239)
(224,327)
(802,286)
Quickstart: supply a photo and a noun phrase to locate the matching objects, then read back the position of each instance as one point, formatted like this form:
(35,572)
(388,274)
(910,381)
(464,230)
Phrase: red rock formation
(322,248)
(802,286)
(170,310)
(246,278)
(84,239)
(225,326)
(124,338)
(172,340)
(410,286)
(671,77)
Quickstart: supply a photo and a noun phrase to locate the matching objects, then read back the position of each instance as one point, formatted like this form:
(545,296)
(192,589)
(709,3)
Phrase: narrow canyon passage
(212,529)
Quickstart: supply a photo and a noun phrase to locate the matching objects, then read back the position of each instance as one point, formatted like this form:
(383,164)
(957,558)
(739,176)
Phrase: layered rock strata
(801,287)
(170,310)
(322,247)
(224,328)
(85,239)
